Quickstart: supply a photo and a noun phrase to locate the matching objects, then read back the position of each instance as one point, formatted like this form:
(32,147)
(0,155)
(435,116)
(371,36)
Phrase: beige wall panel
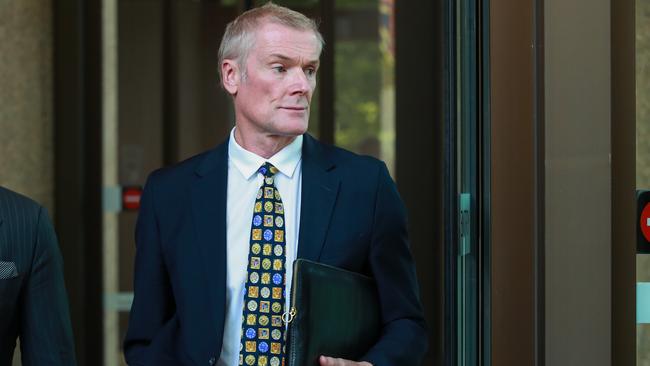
(578,182)
(26,143)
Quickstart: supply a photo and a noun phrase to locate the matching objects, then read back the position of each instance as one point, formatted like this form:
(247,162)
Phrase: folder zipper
(287,316)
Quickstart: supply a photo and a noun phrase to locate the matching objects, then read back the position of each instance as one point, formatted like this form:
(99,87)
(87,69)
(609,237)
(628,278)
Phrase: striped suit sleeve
(45,329)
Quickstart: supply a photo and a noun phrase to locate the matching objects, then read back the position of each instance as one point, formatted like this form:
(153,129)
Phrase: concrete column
(578,184)
(26,124)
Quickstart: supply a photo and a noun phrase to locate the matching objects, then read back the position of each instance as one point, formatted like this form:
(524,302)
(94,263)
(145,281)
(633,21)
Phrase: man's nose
(300,83)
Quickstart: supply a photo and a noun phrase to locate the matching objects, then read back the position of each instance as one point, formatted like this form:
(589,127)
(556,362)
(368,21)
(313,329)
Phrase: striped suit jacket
(33,300)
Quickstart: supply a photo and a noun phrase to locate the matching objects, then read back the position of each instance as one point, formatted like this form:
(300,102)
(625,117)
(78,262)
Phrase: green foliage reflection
(358,87)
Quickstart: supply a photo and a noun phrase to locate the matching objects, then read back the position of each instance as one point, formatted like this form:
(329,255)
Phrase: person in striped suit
(33,299)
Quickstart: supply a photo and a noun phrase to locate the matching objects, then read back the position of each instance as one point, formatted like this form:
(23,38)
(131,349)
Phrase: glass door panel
(466,66)
(472,181)
(364,68)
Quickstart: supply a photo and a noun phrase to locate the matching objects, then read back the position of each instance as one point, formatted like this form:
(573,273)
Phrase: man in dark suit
(210,283)
(33,300)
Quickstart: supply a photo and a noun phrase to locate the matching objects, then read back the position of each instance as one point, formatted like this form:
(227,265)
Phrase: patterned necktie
(263,332)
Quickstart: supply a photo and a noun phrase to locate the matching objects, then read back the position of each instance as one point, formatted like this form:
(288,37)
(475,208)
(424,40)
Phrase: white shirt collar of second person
(247,163)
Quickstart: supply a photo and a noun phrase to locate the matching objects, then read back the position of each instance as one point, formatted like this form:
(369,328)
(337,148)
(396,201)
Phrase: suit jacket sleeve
(45,329)
(403,340)
(153,303)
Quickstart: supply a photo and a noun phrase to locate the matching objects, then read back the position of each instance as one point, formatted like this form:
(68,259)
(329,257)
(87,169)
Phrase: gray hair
(239,37)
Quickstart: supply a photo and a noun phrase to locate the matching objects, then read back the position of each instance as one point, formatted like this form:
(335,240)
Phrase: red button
(645,222)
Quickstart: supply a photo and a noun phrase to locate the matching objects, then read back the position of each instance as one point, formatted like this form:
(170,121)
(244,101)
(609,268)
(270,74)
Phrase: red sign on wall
(131,198)
(643,223)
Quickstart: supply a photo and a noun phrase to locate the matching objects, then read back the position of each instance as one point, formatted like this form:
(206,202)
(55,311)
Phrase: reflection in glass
(364,78)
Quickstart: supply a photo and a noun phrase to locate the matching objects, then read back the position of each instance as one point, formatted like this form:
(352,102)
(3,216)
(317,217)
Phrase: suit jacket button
(212,361)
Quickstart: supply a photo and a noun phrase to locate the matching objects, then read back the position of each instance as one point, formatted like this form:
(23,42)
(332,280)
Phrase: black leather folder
(333,312)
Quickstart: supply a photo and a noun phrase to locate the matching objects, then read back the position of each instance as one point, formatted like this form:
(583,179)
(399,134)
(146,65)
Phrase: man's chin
(294,130)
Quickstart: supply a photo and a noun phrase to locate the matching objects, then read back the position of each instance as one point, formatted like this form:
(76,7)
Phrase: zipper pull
(287,317)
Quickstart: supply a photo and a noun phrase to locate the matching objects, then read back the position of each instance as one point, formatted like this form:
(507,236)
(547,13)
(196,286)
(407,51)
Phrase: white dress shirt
(243,184)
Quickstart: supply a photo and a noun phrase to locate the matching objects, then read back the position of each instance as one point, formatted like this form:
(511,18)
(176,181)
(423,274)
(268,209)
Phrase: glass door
(466,122)
(469,182)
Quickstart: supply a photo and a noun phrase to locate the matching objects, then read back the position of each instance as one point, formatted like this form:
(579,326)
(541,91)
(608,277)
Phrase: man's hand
(330,361)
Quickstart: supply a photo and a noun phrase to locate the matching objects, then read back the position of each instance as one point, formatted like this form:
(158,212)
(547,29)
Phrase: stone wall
(26,104)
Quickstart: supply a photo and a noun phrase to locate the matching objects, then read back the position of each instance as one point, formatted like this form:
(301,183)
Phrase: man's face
(273,96)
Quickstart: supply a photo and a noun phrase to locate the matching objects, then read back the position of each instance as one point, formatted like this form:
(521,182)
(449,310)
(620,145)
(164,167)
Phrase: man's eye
(279,69)
(310,72)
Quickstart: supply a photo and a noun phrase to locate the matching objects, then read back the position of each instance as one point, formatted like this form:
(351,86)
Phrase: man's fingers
(331,361)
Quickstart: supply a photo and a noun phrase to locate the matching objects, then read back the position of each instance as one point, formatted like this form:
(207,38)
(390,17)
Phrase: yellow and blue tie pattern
(263,331)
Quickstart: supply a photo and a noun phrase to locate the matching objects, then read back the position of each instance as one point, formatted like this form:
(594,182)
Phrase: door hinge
(464,224)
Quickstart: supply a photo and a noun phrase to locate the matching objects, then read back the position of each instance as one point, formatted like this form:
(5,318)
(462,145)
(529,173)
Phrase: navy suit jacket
(351,217)
(33,300)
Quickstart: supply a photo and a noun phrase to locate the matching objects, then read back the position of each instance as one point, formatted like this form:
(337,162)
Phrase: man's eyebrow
(282,57)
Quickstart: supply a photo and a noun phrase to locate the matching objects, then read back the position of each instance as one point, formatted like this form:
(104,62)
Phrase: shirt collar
(286,160)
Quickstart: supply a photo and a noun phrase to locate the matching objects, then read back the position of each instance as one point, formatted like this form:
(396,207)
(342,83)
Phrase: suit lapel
(208,195)
(320,188)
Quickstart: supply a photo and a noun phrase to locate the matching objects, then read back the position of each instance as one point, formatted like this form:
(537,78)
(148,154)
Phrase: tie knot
(268,170)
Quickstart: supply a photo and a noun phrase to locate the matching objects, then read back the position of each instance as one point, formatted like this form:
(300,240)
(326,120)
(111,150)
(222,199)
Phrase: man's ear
(230,76)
